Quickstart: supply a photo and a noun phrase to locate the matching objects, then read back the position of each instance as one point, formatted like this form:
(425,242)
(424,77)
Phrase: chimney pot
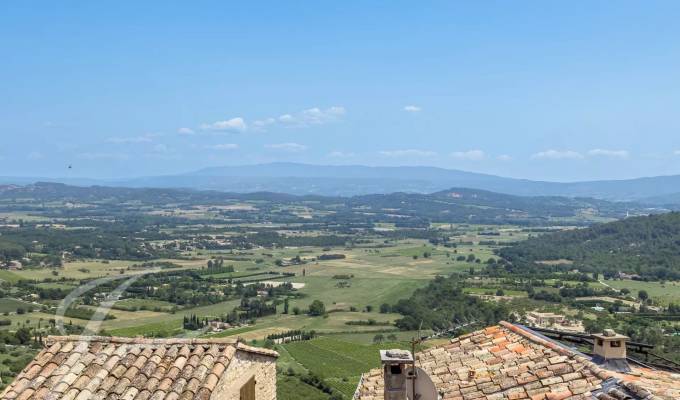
(609,349)
(396,364)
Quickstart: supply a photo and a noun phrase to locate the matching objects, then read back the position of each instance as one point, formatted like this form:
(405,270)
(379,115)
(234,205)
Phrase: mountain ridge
(349,180)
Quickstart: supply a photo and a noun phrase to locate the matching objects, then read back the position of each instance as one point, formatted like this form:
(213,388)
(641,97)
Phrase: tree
(385,308)
(317,308)
(285,305)
(379,338)
(500,292)
(643,295)
(23,335)
(296,310)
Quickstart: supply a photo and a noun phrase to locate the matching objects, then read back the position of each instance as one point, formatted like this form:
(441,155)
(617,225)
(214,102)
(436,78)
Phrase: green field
(339,363)
(661,293)
(8,305)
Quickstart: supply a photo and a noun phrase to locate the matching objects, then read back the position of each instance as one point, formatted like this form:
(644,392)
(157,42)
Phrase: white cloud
(185,131)
(223,146)
(677,152)
(287,118)
(290,147)
(557,155)
(341,154)
(146,138)
(237,124)
(313,116)
(407,153)
(470,155)
(103,156)
(412,109)
(35,155)
(261,124)
(609,153)
(504,157)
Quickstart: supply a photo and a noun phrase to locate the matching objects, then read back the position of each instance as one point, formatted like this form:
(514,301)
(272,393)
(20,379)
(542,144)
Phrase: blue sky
(569,90)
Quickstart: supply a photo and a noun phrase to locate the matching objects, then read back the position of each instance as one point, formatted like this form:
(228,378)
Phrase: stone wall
(242,367)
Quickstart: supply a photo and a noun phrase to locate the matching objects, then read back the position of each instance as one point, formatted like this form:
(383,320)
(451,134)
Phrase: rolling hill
(414,209)
(648,246)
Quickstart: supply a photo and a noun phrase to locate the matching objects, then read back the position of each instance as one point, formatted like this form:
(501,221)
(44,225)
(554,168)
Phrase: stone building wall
(242,367)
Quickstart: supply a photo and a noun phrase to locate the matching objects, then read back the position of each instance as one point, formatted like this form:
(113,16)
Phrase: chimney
(396,364)
(609,350)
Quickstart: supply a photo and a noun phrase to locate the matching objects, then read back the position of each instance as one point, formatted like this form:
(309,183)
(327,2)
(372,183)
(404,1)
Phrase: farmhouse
(513,362)
(96,367)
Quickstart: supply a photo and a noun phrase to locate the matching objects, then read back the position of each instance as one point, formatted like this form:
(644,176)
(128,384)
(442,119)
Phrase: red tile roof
(96,367)
(511,362)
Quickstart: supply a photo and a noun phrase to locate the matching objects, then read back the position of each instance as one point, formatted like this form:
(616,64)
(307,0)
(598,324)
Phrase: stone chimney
(396,364)
(609,350)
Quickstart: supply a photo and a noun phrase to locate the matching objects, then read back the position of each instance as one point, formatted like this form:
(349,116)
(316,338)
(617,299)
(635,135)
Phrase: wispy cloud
(470,155)
(558,155)
(236,124)
(309,117)
(341,154)
(677,152)
(160,148)
(312,116)
(222,146)
(609,153)
(407,153)
(35,155)
(412,109)
(146,138)
(289,147)
(262,124)
(103,156)
(504,157)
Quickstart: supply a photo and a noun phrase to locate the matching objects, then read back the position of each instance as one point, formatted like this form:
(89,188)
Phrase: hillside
(648,246)
(405,209)
(353,180)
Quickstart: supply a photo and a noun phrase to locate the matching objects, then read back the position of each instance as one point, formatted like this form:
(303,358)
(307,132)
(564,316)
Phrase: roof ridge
(139,340)
(258,350)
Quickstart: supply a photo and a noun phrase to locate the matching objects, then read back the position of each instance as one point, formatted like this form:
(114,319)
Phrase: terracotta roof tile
(512,362)
(94,367)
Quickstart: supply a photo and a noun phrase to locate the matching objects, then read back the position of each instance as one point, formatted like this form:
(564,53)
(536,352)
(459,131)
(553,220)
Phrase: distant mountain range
(351,180)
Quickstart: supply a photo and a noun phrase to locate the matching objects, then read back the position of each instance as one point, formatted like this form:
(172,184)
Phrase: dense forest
(442,305)
(646,246)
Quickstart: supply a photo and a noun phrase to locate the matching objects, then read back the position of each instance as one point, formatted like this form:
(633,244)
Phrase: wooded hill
(647,246)
(407,209)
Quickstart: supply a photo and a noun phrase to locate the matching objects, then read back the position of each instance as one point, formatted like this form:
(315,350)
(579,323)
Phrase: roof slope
(510,362)
(96,367)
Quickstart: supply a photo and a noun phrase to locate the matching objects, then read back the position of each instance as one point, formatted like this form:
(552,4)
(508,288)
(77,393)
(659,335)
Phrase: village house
(97,367)
(553,321)
(513,362)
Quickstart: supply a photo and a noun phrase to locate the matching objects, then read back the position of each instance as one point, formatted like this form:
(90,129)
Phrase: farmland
(355,274)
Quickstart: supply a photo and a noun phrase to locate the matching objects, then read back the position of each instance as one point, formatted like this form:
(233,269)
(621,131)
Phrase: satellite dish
(425,389)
